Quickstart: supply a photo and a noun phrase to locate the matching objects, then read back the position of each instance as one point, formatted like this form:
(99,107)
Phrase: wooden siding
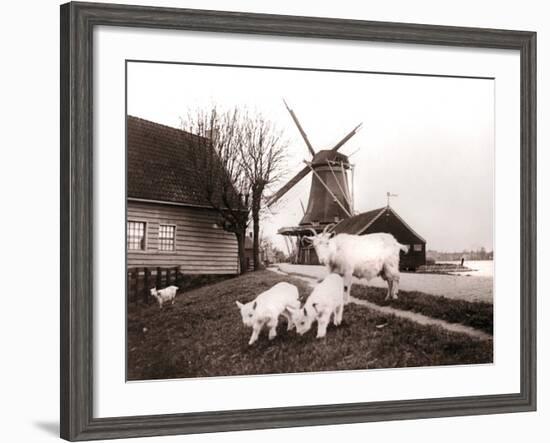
(200,248)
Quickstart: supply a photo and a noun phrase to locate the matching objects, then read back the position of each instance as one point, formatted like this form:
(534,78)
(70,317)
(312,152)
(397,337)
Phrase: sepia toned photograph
(294,220)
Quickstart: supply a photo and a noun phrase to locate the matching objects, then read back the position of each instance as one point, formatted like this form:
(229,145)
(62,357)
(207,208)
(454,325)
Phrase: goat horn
(312,230)
(328,227)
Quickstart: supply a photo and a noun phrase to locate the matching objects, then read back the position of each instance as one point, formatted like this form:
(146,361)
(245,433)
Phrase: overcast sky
(430,140)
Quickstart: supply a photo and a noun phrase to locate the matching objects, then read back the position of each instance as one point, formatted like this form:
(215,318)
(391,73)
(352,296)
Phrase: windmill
(330,200)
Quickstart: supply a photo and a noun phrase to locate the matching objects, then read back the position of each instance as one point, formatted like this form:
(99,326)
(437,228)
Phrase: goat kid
(164,295)
(266,308)
(326,300)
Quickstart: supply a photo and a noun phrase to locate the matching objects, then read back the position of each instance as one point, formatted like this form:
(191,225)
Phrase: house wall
(200,248)
(391,224)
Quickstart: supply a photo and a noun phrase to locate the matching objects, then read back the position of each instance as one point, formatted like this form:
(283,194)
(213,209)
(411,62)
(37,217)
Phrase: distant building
(169,221)
(264,254)
(387,220)
(249,252)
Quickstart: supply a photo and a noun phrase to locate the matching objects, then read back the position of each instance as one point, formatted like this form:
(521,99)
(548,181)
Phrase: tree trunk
(256,202)
(242,255)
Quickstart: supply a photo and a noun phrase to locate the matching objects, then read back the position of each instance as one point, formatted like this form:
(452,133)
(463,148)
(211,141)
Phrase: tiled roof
(357,223)
(160,165)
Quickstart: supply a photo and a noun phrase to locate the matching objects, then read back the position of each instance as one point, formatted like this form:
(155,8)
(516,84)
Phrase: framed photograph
(273,221)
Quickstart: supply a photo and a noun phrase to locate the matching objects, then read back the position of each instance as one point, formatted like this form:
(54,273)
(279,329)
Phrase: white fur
(362,256)
(164,295)
(266,308)
(326,300)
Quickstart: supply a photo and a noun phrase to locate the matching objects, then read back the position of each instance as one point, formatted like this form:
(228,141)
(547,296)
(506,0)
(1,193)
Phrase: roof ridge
(162,125)
(406,224)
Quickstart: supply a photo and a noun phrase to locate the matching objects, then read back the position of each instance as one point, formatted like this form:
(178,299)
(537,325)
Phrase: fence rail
(141,280)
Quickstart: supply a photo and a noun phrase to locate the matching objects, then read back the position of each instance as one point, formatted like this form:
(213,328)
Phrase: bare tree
(262,156)
(237,154)
(216,156)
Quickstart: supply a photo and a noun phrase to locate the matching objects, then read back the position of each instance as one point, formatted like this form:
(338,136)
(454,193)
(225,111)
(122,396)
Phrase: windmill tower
(330,199)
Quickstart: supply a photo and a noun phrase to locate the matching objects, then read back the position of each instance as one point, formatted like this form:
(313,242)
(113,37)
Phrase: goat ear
(239,304)
(315,307)
(254,305)
(292,311)
(305,312)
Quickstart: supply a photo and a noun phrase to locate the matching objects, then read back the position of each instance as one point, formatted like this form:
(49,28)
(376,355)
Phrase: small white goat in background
(326,300)
(164,295)
(266,308)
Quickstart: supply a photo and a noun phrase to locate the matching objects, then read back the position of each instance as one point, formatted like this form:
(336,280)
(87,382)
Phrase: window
(417,247)
(167,237)
(135,236)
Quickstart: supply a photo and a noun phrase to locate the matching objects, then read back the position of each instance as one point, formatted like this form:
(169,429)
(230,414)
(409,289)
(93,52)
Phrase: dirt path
(413,316)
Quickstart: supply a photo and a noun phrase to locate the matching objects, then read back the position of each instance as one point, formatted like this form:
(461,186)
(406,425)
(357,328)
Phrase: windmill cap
(328,155)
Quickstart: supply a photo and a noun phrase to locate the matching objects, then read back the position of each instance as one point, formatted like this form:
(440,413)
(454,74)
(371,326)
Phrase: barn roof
(160,166)
(359,223)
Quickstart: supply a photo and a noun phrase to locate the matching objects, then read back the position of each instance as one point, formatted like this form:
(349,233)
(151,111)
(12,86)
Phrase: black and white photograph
(236,221)
(294,220)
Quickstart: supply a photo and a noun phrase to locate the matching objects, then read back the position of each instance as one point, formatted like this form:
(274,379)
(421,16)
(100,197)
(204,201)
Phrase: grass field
(478,315)
(202,335)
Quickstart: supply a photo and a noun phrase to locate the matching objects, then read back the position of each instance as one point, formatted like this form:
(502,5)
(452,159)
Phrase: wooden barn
(169,221)
(387,220)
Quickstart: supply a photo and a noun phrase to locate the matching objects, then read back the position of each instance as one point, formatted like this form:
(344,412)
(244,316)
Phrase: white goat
(362,256)
(326,300)
(266,308)
(167,294)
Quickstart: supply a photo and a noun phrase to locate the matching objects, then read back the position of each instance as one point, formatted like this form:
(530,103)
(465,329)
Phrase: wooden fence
(141,280)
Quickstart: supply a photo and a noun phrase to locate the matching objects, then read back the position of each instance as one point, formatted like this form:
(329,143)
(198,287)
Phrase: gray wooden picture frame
(77,23)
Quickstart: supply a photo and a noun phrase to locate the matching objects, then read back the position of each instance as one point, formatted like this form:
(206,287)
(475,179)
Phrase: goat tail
(404,248)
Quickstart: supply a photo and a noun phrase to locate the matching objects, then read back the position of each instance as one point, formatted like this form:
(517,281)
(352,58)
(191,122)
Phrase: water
(477,287)
(481,268)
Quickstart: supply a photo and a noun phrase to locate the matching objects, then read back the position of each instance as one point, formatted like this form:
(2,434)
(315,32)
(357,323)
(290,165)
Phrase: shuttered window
(167,237)
(135,236)
(418,247)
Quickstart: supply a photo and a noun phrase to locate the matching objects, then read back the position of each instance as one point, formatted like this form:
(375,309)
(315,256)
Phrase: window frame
(145,237)
(166,251)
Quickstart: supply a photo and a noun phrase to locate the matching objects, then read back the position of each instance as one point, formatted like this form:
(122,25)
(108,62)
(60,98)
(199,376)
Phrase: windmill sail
(299,126)
(293,181)
(346,138)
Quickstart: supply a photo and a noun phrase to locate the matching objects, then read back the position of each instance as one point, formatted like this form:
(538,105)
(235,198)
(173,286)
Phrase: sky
(430,140)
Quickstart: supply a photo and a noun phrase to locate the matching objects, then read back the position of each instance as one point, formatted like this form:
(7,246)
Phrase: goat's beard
(322,254)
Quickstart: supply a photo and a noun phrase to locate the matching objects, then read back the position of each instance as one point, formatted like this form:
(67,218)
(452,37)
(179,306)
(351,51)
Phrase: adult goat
(363,256)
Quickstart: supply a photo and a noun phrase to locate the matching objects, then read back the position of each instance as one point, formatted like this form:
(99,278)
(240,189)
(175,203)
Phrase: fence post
(179,278)
(136,284)
(146,286)
(129,285)
(159,278)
